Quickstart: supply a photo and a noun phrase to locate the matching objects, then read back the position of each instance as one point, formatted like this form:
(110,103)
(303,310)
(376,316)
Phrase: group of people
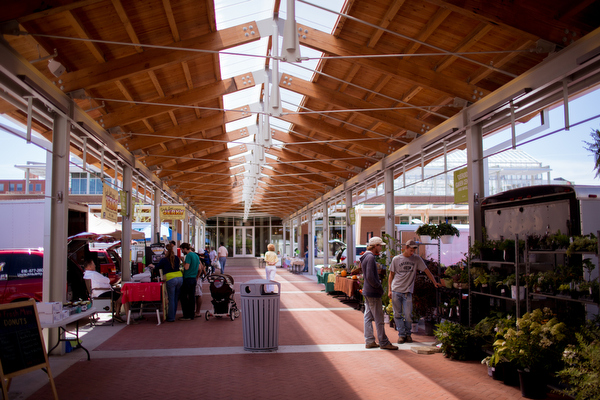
(185,284)
(401,282)
(182,279)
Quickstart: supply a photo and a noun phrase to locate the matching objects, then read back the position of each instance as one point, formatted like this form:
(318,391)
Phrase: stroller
(221,290)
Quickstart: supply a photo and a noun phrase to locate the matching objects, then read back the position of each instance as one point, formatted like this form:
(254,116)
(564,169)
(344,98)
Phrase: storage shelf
(564,298)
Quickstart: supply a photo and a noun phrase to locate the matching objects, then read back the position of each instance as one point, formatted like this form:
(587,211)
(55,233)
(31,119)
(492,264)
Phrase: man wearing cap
(372,292)
(403,273)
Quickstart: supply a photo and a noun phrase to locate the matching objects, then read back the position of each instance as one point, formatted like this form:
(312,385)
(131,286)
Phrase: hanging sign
(123,201)
(172,212)
(461,187)
(110,203)
(352,214)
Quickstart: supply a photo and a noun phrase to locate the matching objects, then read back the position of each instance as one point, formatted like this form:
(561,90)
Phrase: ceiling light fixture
(56,68)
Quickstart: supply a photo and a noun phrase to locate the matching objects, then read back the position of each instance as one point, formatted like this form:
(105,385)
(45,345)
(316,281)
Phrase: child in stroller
(222,293)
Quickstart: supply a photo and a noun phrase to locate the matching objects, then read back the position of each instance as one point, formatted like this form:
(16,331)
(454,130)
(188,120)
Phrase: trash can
(260,314)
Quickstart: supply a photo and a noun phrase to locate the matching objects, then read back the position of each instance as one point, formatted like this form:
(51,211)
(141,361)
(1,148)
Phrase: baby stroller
(221,290)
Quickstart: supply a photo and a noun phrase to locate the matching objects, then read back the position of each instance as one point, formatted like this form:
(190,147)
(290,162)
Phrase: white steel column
(388,182)
(476,178)
(311,242)
(126,225)
(56,217)
(350,241)
(156,217)
(326,248)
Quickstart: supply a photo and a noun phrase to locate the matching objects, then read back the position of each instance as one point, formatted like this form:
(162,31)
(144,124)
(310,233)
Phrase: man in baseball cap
(403,273)
(372,292)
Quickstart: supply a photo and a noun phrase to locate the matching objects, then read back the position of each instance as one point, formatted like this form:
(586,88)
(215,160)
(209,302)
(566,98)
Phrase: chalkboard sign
(21,342)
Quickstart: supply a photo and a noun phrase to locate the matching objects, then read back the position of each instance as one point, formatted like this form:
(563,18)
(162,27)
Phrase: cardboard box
(46,318)
(49,308)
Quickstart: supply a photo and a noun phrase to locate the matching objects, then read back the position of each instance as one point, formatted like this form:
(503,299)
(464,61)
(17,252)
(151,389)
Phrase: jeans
(173,289)
(222,261)
(374,312)
(188,297)
(403,306)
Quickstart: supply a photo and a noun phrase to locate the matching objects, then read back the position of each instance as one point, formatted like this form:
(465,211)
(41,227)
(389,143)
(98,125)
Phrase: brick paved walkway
(321,355)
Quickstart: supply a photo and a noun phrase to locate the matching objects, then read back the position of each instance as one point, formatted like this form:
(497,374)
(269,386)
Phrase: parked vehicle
(21,276)
(107,260)
(359,250)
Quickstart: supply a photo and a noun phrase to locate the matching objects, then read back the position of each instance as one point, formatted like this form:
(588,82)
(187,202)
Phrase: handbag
(216,264)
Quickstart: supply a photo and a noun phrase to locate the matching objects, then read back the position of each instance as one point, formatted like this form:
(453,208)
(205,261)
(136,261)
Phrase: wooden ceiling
(166,106)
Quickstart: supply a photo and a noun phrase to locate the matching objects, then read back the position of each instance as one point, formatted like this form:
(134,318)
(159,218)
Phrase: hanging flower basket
(447,239)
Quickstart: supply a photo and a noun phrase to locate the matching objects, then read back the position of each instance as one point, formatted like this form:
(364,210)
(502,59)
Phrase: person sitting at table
(101,288)
(169,265)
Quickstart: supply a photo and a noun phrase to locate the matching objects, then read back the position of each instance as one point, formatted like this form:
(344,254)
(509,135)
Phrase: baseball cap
(375,240)
(412,243)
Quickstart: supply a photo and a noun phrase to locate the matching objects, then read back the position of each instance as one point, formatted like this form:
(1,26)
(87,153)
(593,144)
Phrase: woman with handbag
(174,277)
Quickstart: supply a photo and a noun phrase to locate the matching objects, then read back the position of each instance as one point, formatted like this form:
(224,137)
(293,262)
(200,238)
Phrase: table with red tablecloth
(346,285)
(144,293)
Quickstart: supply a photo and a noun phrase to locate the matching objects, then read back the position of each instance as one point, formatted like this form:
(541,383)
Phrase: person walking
(191,266)
(223,253)
(372,292)
(401,284)
(270,267)
(169,264)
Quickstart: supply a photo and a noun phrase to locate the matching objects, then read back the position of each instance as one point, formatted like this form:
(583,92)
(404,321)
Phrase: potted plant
(536,348)
(447,232)
(581,363)
(481,279)
(427,232)
(451,272)
(461,281)
(583,244)
(456,341)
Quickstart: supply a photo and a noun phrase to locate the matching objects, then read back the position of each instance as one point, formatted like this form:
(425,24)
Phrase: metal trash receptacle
(260,314)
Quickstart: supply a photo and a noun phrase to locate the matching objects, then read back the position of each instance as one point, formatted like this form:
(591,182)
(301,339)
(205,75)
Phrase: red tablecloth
(347,285)
(141,291)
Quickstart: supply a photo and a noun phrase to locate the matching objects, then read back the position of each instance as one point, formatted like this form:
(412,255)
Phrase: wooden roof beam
(403,69)
(154,58)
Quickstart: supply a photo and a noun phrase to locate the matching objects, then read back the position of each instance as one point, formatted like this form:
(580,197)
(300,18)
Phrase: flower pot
(460,285)
(414,327)
(425,239)
(386,318)
(490,371)
(429,327)
(511,375)
(449,283)
(447,239)
(533,385)
(498,372)
(513,292)
(485,288)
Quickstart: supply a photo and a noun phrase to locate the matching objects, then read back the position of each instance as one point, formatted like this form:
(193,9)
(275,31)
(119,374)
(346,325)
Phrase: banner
(172,212)
(461,187)
(110,203)
(352,214)
(123,200)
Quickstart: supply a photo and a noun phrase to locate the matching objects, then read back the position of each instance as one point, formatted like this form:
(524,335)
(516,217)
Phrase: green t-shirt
(194,261)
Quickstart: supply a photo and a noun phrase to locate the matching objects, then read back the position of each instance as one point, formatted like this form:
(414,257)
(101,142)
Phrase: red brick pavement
(357,374)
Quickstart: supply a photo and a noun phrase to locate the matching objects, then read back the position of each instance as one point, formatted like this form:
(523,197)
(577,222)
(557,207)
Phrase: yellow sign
(461,187)
(110,203)
(123,199)
(352,213)
(172,212)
